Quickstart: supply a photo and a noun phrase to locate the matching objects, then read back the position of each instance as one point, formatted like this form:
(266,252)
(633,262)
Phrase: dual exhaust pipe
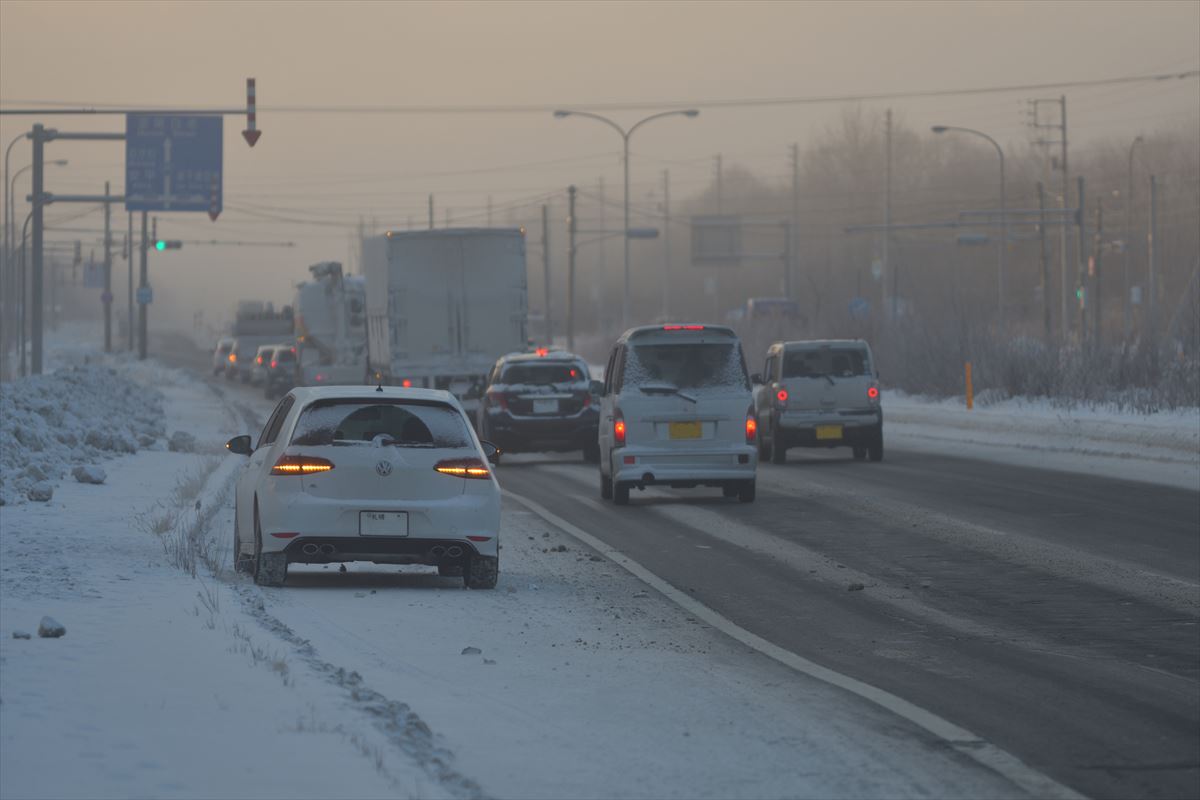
(312,549)
(439,552)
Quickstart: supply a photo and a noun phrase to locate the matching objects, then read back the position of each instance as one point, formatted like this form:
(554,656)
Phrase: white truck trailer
(443,305)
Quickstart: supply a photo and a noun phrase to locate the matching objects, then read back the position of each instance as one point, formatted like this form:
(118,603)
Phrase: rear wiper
(829,378)
(666,388)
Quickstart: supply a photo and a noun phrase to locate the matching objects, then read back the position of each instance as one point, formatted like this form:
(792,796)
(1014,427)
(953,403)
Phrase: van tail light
(751,426)
(406,383)
(587,399)
(781,398)
(618,429)
(499,399)
(258,360)
(233,358)
(463,468)
(301,465)
(274,363)
(873,393)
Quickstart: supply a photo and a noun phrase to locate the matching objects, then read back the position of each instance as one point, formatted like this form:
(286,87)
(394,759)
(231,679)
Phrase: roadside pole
(666,276)
(1081,221)
(571,228)
(1046,328)
(129,297)
(38,135)
(142,286)
(108,295)
(1151,325)
(546,272)
(1097,258)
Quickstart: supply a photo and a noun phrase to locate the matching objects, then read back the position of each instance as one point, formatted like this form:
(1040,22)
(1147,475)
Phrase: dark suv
(541,401)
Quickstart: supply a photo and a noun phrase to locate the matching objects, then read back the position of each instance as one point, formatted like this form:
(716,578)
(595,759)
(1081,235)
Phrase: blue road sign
(173,163)
(145,295)
(860,308)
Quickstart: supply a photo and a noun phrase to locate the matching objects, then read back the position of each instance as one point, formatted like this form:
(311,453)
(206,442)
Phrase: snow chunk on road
(89,474)
(79,414)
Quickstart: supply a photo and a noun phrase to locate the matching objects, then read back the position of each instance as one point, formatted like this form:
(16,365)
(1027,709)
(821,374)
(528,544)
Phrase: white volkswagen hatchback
(379,474)
(677,410)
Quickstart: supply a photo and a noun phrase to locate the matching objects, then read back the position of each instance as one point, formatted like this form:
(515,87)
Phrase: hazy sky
(332,168)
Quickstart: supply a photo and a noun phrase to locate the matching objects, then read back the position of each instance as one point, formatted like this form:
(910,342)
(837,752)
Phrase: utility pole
(38,135)
(1046,327)
(887,216)
(719,182)
(1066,182)
(546,272)
(1082,260)
(1151,325)
(1097,254)
(1061,127)
(129,263)
(791,269)
(1127,311)
(430,211)
(143,284)
(108,295)
(571,228)
(601,282)
(666,270)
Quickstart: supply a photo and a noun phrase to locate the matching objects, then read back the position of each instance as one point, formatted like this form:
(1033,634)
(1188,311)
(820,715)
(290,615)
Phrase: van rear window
(834,362)
(687,365)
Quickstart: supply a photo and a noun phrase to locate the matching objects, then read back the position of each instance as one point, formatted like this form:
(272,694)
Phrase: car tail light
(233,358)
(542,351)
(274,363)
(479,538)
(587,399)
(781,398)
(463,468)
(619,430)
(406,383)
(320,377)
(301,465)
(500,399)
(286,535)
(258,360)
(751,427)
(683,327)
(873,393)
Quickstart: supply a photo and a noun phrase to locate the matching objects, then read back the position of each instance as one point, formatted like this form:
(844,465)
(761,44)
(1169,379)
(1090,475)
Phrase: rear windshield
(834,362)
(544,373)
(687,365)
(403,423)
(224,347)
(285,355)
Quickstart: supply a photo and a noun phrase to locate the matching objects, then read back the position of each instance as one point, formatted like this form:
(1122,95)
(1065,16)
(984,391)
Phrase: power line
(63,106)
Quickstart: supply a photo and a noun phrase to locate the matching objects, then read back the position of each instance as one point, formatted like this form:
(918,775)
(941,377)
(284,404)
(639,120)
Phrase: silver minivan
(819,393)
(676,410)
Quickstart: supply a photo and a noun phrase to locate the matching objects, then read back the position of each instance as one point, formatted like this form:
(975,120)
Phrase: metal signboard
(173,162)
(145,295)
(716,239)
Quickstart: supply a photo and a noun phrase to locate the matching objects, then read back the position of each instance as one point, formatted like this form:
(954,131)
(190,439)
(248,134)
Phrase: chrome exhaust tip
(437,552)
(454,551)
(327,549)
(309,549)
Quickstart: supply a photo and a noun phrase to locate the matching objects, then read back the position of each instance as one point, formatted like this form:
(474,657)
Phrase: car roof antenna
(379,377)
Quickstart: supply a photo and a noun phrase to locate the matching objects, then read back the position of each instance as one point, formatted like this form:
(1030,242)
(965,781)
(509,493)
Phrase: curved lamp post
(625,135)
(1003,211)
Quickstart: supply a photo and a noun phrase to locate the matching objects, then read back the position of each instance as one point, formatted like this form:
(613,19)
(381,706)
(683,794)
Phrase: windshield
(687,365)
(405,423)
(544,373)
(835,362)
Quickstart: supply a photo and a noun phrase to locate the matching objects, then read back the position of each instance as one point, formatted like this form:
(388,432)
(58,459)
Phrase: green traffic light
(160,245)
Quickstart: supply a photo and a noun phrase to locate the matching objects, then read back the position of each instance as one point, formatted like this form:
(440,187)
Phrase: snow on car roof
(308,394)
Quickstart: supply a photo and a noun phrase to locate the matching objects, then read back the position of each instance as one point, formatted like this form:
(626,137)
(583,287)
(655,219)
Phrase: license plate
(383,523)
(686,430)
(545,406)
(829,431)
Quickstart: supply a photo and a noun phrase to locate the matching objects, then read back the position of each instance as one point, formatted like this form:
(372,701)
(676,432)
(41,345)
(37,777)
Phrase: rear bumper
(327,519)
(712,467)
(531,434)
(799,428)
(380,550)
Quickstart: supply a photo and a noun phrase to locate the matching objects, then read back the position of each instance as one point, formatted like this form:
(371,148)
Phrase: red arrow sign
(251,133)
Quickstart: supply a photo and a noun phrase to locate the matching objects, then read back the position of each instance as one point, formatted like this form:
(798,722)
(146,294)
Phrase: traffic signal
(167,244)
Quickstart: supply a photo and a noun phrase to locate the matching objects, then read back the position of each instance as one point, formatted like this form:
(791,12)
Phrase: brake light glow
(479,538)
(542,351)
(463,468)
(683,327)
(274,363)
(233,358)
(258,360)
(406,383)
(301,465)
(751,429)
(500,399)
(619,430)
(782,397)
(873,392)
(289,535)
(320,377)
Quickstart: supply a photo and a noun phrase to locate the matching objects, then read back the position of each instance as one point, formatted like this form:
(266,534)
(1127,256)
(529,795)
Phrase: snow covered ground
(1162,448)
(177,678)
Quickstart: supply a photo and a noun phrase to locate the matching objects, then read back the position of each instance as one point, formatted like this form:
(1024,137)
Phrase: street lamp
(1125,305)
(1003,211)
(10,219)
(625,135)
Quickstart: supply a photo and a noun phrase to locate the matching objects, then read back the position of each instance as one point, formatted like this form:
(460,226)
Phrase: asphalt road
(1055,615)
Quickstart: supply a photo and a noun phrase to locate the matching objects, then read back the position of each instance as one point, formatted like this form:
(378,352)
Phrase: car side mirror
(596,388)
(756,378)
(491,451)
(239,445)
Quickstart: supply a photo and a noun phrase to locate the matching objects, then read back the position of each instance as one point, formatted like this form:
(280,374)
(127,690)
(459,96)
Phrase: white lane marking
(961,739)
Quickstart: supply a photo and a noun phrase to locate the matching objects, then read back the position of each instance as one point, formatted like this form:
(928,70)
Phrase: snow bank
(50,424)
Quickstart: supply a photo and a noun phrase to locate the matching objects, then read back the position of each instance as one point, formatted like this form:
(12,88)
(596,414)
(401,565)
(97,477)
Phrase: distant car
(262,358)
(541,401)
(220,357)
(677,410)
(280,370)
(820,393)
(386,475)
(240,361)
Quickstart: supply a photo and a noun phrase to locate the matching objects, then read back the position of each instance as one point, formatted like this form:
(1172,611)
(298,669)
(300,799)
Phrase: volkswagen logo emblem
(384,468)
